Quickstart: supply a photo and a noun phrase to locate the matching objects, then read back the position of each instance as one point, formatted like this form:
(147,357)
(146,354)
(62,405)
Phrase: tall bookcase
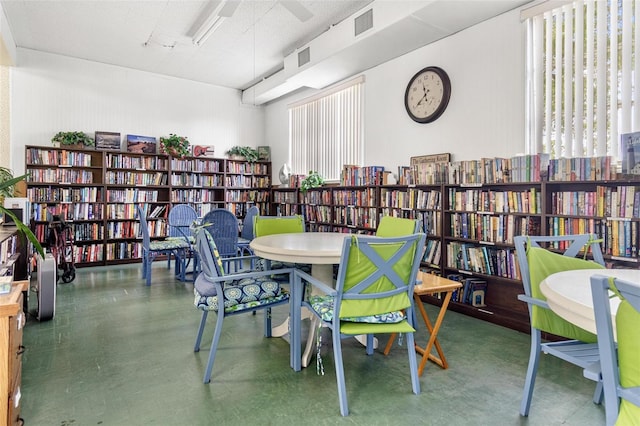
(99,191)
(470,227)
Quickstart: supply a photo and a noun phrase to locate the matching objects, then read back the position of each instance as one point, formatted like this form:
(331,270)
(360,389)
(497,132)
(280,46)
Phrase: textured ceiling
(155,35)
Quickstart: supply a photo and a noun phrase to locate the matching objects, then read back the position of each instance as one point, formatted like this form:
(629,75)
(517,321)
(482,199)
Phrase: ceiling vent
(363,22)
(304,56)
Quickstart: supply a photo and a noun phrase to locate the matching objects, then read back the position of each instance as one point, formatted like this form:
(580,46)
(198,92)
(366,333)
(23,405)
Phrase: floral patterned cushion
(238,294)
(168,244)
(323,305)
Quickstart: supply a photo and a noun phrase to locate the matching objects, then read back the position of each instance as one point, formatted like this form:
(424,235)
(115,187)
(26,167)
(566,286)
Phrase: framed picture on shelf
(108,141)
(264,153)
(630,153)
(203,151)
(142,144)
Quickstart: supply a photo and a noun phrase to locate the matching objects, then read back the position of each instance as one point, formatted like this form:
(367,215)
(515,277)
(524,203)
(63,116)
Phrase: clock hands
(424,97)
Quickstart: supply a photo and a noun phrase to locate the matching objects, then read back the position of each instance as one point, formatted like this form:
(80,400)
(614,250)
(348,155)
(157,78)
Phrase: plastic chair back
(390,226)
(181,217)
(247,224)
(269,225)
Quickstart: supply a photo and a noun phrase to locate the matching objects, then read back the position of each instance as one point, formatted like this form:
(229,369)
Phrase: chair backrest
(620,368)
(390,226)
(208,254)
(247,223)
(181,217)
(223,227)
(537,263)
(377,275)
(144,227)
(269,225)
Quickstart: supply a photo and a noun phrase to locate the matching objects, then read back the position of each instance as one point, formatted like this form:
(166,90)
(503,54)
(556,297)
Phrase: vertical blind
(583,77)
(326,130)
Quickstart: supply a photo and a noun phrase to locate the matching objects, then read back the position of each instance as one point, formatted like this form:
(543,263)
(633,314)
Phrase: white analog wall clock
(427,94)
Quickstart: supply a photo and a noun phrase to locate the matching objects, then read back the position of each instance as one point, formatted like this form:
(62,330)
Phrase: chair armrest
(252,274)
(315,282)
(533,301)
(631,394)
(235,258)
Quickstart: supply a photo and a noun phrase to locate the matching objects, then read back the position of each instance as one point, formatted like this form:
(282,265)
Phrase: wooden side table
(430,284)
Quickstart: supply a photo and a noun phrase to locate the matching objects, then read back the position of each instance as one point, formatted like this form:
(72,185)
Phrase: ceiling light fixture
(214,15)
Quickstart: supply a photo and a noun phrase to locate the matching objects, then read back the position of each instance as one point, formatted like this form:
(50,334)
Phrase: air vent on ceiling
(363,22)
(304,56)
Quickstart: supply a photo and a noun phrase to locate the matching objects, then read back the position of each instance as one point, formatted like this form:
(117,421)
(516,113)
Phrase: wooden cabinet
(99,191)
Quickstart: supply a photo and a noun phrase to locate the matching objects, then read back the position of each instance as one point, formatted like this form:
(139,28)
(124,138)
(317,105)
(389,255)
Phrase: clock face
(427,94)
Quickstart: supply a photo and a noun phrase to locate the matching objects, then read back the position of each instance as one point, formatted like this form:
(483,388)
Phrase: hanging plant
(313,180)
(176,146)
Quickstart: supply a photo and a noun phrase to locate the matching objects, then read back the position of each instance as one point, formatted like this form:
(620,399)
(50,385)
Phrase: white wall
(485,116)
(51,93)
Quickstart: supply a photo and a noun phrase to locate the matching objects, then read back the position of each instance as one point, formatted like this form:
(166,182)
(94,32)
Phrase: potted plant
(73,139)
(313,180)
(244,153)
(7,186)
(176,146)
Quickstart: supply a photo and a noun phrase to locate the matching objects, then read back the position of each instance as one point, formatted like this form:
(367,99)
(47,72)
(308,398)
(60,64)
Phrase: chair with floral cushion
(619,363)
(373,295)
(231,294)
(152,248)
(180,219)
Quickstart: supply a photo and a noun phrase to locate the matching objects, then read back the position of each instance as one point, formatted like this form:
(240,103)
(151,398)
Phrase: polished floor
(121,353)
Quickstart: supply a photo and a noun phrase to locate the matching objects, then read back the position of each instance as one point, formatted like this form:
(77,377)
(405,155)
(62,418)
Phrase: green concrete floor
(120,353)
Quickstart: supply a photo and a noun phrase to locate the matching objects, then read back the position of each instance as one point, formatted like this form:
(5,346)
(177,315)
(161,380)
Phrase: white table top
(304,247)
(569,294)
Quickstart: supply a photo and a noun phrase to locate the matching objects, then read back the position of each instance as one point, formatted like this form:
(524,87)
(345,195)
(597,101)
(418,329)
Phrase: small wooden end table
(430,284)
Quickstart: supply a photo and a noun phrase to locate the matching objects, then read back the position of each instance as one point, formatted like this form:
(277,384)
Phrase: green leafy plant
(177,146)
(7,186)
(313,180)
(250,154)
(73,138)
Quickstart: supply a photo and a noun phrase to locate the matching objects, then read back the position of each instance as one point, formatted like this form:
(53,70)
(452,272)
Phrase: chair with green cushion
(620,369)
(270,225)
(373,295)
(390,226)
(579,347)
(236,293)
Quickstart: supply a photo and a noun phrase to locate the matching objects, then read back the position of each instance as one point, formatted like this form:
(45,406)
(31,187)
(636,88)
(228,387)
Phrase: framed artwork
(203,151)
(630,153)
(434,158)
(142,144)
(264,153)
(109,141)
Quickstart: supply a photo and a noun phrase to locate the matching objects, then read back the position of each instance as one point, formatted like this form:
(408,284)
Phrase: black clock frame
(446,82)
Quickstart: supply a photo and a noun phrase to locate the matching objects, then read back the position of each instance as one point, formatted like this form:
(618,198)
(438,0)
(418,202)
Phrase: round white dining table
(568,294)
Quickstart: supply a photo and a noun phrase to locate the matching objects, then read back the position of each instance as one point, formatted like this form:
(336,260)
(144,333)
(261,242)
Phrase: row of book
(195,196)
(317,213)
(363,217)
(412,198)
(135,178)
(67,211)
(88,231)
(47,157)
(620,237)
(287,210)
(526,201)
(195,165)
(196,179)
(123,250)
(355,197)
(88,253)
(248,181)
(246,196)
(432,252)
(472,292)
(362,175)
(317,196)
(288,197)
(483,259)
(492,228)
(8,247)
(145,162)
(240,209)
(131,195)
(621,201)
(124,229)
(60,176)
(245,168)
(129,211)
(64,195)
(581,169)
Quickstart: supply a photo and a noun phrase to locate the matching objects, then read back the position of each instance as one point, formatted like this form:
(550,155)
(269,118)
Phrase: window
(583,76)
(326,130)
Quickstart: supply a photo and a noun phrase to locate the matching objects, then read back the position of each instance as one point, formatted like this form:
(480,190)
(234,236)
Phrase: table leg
(433,337)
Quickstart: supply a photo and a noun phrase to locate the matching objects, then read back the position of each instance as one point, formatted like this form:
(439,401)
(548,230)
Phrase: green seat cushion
(543,263)
(627,320)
